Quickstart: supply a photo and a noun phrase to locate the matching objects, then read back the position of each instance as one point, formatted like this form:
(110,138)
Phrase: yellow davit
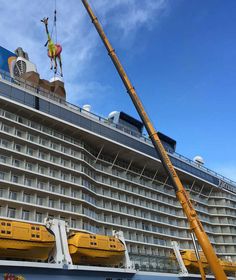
(25,241)
(94,249)
(190,261)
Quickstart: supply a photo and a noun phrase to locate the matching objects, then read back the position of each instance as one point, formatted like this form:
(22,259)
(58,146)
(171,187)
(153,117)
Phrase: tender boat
(93,249)
(190,261)
(25,241)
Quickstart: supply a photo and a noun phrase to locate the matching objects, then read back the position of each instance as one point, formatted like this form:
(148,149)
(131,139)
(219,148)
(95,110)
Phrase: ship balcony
(24,92)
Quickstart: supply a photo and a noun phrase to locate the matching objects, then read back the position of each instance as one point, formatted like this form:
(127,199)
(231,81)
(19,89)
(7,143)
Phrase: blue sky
(179,54)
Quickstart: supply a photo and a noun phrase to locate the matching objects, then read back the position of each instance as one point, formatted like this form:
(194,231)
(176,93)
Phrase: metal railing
(201,167)
(52,96)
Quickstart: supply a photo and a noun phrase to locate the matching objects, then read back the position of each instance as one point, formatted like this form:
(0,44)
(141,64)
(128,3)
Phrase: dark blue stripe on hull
(63,274)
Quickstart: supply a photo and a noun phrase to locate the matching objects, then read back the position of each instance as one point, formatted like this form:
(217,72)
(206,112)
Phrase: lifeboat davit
(94,249)
(25,241)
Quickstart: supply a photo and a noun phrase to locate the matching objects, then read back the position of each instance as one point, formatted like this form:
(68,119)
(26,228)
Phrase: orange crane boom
(181,194)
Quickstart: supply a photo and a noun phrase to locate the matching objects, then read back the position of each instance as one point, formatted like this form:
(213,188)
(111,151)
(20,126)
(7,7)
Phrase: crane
(181,194)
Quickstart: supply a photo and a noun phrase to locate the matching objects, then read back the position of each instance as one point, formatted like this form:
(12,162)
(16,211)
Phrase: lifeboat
(191,263)
(25,241)
(93,249)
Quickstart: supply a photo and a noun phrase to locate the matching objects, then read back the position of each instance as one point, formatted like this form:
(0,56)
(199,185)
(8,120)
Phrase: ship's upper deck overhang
(99,133)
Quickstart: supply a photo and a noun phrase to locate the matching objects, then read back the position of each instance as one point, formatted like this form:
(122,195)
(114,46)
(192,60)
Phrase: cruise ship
(98,174)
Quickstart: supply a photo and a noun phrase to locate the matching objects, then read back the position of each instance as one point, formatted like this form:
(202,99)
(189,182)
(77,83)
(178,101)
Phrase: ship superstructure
(101,174)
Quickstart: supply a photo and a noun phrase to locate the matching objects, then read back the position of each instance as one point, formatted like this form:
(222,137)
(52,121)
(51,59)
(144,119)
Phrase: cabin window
(39,217)
(2,175)
(25,215)
(11,212)
(13,195)
(40,200)
(18,133)
(18,147)
(29,166)
(14,179)
(5,143)
(73,223)
(26,198)
(3,159)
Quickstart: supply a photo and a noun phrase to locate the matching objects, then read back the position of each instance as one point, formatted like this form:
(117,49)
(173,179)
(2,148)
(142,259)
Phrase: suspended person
(54,50)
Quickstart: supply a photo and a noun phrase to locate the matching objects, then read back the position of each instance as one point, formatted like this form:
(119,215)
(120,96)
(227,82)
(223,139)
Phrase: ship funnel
(20,53)
(23,66)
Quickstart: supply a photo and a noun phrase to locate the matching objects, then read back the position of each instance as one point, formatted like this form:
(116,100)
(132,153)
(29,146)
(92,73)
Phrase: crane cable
(54,27)
(55,20)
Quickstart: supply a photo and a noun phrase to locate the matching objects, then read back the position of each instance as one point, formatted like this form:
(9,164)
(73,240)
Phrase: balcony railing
(201,167)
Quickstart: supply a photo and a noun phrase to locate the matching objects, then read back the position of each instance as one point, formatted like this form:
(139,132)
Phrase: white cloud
(87,91)
(136,15)
(22,27)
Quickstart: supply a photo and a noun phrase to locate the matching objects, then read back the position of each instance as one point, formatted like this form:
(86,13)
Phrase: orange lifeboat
(191,263)
(93,249)
(25,241)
